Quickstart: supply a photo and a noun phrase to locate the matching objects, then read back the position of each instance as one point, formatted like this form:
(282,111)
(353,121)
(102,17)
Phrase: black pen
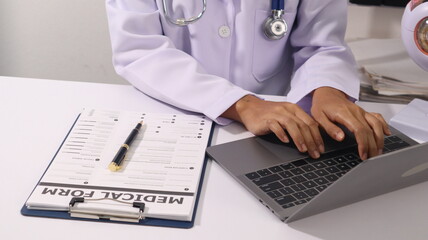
(120,155)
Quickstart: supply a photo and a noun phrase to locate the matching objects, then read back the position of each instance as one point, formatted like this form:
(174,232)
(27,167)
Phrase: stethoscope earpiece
(275,26)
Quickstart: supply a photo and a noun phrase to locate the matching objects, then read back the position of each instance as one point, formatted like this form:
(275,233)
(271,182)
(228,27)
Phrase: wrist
(235,111)
(328,91)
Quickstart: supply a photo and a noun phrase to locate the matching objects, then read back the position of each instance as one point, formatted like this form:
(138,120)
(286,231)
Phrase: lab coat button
(224,31)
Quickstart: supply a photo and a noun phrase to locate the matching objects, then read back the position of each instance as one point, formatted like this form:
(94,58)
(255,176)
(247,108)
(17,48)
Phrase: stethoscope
(274,26)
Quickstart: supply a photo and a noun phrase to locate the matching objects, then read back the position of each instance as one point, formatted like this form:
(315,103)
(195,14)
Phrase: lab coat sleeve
(150,61)
(322,57)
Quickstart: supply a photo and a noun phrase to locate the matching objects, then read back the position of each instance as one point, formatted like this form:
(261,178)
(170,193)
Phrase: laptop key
(351,156)
(332,177)
(332,169)
(308,168)
(299,179)
(330,162)
(319,165)
(275,194)
(387,140)
(287,182)
(340,159)
(310,175)
(252,175)
(286,191)
(353,163)
(271,186)
(297,171)
(287,166)
(394,138)
(300,195)
(321,181)
(300,201)
(321,188)
(286,174)
(321,172)
(299,163)
(298,187)
(264,172)
(397,145)
(311,192)
(267,179)
(285,200)
(309,184)
(343,167)
(275,169)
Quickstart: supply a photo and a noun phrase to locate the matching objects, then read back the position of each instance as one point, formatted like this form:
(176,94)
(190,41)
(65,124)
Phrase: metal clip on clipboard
(80,207)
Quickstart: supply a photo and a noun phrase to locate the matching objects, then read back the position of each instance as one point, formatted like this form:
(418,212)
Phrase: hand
(261,117)
(330,106)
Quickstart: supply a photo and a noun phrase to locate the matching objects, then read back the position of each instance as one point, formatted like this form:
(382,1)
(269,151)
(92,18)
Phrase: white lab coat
(203,68)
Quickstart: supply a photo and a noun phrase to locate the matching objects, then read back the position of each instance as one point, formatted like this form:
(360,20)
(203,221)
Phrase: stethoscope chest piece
(275,26)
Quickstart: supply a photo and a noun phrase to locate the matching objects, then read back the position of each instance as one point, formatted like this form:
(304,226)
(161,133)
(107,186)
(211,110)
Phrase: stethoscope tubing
(274,28)
(183,21)
(278,4)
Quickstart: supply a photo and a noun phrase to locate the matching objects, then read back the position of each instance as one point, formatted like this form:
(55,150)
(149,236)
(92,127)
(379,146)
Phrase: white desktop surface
(37,114)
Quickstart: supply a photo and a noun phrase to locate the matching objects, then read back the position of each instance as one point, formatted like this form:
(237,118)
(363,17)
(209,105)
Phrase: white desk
(36,115)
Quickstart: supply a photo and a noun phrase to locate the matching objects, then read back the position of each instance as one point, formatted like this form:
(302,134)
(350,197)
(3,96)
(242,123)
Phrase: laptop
(294,186)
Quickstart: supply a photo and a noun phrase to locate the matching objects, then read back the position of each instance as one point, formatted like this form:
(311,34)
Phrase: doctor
(214,56)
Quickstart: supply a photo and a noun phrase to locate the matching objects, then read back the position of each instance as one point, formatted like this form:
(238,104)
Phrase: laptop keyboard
(297,182)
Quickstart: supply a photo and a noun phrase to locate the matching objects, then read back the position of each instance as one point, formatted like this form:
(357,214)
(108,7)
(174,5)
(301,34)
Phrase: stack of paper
(413,120)
(390,75)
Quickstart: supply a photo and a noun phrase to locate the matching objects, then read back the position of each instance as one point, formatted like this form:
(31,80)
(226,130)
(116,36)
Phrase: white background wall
(56,39)
(68,39)
(373,22)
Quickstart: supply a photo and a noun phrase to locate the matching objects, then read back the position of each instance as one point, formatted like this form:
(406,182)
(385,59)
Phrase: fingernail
(316,154)
(340,135)
(364,157)
(380,151)
(303,147)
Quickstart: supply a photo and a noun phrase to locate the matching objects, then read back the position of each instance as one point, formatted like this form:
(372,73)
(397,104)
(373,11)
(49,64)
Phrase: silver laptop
(294,186)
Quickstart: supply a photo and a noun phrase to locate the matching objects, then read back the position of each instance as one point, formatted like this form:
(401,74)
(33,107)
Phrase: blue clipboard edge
(147,221)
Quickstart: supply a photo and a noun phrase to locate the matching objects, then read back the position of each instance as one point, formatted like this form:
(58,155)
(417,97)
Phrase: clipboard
(142,220)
